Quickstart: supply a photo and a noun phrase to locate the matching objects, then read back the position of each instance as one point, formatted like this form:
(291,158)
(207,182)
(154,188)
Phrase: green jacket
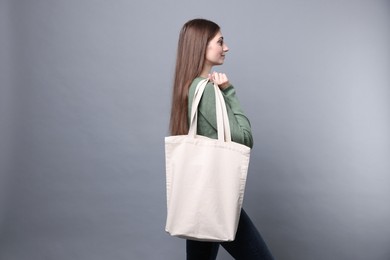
(207,122)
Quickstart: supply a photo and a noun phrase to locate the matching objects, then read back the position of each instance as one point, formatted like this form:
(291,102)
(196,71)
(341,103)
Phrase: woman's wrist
(224,85)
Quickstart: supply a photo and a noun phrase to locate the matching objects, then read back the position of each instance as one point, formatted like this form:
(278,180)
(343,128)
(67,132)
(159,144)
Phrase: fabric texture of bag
(205,178)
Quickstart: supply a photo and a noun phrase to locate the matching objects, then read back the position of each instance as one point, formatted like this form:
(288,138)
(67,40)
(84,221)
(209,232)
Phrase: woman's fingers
(220,79)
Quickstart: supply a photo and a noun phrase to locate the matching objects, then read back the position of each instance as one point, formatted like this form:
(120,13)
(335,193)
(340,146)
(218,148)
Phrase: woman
(201,46)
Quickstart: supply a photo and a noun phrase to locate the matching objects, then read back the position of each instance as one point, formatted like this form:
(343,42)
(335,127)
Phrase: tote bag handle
(223,127)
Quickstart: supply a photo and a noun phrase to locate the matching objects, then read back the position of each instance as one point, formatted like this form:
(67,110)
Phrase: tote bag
(205,178)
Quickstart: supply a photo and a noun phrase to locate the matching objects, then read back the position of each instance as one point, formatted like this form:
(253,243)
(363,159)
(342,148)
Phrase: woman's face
(216,50)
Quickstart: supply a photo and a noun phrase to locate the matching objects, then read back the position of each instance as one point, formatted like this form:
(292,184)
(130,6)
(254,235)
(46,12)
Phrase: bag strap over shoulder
(223,127)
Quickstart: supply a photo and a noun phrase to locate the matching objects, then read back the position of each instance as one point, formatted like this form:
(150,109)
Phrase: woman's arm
(239,124)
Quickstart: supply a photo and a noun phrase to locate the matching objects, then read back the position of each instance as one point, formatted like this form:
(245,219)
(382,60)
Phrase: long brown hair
(191,52)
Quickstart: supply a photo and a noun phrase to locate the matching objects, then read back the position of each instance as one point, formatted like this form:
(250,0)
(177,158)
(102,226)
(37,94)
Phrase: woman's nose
(225,48)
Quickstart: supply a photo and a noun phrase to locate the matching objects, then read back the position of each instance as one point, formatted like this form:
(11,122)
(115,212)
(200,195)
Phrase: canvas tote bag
(205,178)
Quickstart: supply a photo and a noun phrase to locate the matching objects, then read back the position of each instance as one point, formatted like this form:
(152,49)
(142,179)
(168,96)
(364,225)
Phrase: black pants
(248,244)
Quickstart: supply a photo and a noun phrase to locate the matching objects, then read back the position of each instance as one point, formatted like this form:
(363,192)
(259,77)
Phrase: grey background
(84,106)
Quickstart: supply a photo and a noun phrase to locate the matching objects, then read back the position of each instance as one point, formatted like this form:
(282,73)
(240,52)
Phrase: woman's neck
(206,71)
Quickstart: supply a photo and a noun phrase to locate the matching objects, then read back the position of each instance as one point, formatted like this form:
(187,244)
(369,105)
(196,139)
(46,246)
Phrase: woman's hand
(220,79)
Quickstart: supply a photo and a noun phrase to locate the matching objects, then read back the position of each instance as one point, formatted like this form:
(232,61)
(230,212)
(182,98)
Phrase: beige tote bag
(205,179)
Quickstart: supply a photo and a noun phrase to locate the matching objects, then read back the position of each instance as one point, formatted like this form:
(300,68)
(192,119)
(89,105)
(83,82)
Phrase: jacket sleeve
(239,124)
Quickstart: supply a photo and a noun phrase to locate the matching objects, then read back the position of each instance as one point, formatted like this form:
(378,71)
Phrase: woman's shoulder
(196,81)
